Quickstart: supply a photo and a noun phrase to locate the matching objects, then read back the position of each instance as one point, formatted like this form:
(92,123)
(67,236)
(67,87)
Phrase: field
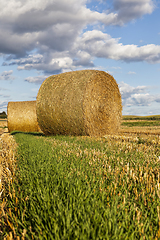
(149,125)
(65,187)
(3,125)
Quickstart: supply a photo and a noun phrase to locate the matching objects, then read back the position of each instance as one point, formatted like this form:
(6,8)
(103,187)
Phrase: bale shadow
(28,133)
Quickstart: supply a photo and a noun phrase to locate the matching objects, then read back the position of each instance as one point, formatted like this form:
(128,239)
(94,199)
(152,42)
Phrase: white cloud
(55,30)
(1,89)
(6,75)
(34,24)
(3,105)
(100,44)
(83,58)
(116,68)
(136,96)
(37,80)
(48,64)
(127,90)
(65,62)
(143,99)
(30,59)
(85,48)
(131,73)
(132,9)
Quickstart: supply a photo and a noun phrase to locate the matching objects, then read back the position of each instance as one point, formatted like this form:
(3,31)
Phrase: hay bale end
(22,116)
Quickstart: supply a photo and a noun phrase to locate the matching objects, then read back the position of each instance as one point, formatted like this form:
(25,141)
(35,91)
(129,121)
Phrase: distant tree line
(3,114)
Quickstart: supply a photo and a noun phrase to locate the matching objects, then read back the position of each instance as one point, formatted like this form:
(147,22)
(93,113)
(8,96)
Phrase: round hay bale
(22,116)
(86,102)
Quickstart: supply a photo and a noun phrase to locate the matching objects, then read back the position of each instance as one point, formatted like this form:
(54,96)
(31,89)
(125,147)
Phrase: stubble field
(65,187)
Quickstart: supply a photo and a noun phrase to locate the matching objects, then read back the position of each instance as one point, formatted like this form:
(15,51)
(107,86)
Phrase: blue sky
(41,38)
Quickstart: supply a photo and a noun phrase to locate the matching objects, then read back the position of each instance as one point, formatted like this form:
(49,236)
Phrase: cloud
(34,24)
(3,105)
(116,68)
(136,96)
(131,73)
(2,89)
(37,80)
(30,59)
(127,90)
(54,30)
(157,99)
(48,64)
(139,100)
(6,75)
(83,59)
(100,44)
(132,9)
(86,47)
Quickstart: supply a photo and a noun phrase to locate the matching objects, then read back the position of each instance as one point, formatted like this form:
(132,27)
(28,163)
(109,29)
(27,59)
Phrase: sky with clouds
(41,38)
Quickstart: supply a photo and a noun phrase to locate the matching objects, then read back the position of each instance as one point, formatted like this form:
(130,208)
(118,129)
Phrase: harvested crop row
(7,170)
(7,160)
(140,130)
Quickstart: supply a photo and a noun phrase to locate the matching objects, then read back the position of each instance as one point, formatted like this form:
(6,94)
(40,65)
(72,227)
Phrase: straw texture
(86,102)
(22,116)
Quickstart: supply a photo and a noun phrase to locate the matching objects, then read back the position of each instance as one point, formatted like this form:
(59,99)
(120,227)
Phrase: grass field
(132,117)
(148,125)
(84,188)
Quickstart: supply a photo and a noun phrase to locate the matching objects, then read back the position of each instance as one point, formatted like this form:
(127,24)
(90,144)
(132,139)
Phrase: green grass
(83,188)
(132,117)
(141,124)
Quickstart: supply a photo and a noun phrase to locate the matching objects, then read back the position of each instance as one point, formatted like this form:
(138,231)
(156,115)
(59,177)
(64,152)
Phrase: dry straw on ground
(7,172)
(86,102)
(22,116)
(7,160)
